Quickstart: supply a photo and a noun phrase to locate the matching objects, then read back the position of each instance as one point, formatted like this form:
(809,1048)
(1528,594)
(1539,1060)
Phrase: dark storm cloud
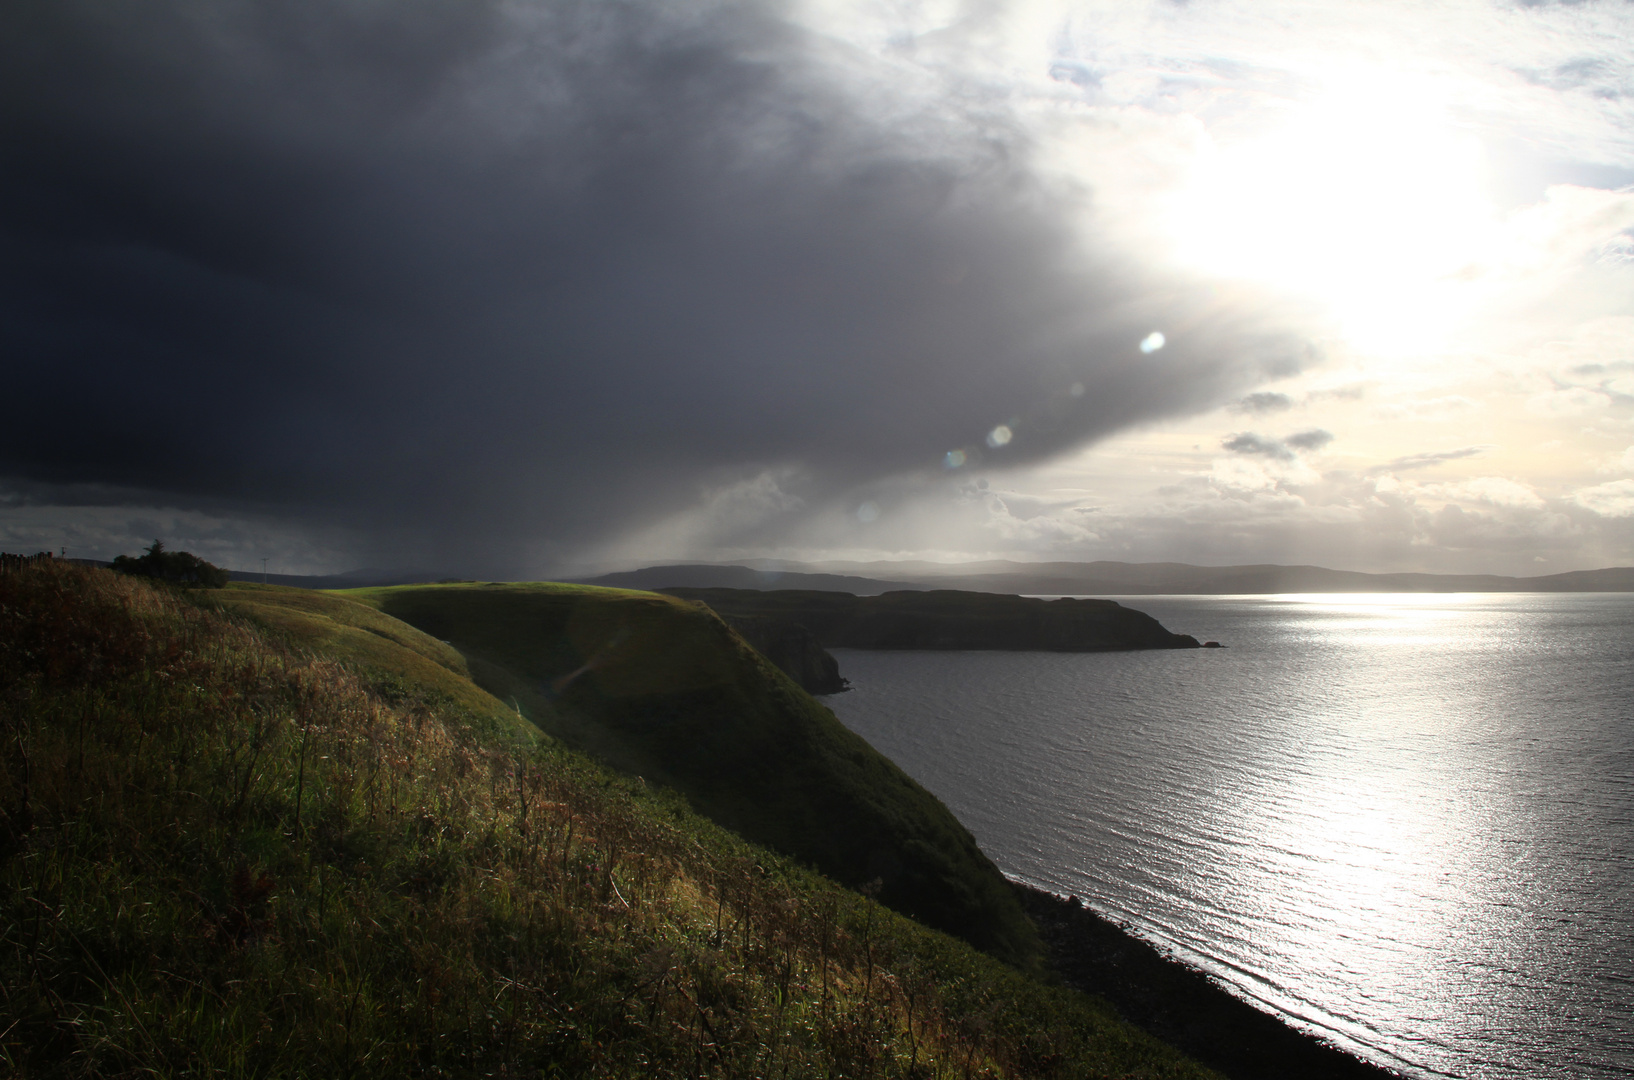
(488,280)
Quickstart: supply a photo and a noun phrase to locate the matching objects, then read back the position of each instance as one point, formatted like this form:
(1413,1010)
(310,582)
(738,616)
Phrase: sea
(1404,823)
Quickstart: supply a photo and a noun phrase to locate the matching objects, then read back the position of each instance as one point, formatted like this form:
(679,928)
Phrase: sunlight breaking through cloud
(613,283)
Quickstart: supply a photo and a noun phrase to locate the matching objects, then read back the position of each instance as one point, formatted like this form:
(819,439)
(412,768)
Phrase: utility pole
(263,571)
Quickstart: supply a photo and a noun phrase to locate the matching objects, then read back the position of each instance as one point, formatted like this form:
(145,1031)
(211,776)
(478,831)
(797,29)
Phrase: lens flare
(1152,342)
(1000,436)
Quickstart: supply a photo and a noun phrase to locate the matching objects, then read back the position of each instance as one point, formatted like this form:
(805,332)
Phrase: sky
(512,288)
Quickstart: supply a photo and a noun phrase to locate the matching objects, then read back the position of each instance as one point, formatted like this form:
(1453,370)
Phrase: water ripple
(1406,823)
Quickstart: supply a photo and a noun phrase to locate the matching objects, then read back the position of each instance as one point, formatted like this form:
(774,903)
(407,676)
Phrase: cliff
(664,689)
(948,619)
(795,651)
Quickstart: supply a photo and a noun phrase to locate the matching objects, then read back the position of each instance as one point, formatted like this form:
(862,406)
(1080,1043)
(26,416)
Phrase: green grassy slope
(663,689)
(224,852)
(394,654)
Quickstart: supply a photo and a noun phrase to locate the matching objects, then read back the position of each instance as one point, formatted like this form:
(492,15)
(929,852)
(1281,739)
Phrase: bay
(1402,822)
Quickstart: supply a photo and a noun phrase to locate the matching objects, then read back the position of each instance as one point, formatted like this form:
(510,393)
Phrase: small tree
(179,567)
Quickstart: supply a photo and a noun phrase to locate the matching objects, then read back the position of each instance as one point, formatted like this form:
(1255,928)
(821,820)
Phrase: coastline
(1177,1003)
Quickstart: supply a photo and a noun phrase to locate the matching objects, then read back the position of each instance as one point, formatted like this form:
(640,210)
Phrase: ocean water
(1405,823)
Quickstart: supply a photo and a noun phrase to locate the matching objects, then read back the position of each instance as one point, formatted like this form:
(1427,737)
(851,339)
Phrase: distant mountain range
(1098,579)
(708,576)
(351,579)
(1028,579)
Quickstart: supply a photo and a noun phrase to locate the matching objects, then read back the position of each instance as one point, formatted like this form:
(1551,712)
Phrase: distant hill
(1151,578)
(703,576)
(948,619)
(1019,578)
(351,579)
(689,576)
(1104,579)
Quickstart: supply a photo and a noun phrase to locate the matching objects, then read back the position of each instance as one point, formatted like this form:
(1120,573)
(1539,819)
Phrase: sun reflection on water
(1403,821)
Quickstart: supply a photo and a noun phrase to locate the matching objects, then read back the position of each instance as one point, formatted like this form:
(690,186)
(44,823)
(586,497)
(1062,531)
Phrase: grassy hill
(663,689)
(263,834)
(948,619)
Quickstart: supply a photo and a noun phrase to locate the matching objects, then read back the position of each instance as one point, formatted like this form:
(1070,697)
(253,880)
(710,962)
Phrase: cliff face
(664,689)
(948,619)
(795,651)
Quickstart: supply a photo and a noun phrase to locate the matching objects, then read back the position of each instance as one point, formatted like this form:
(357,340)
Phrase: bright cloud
(1491,490)
(1612,500)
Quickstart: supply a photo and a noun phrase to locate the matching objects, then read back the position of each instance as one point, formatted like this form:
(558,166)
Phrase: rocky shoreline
(1177,1003)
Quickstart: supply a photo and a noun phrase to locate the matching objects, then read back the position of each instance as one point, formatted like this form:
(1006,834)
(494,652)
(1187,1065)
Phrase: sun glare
(1367,199)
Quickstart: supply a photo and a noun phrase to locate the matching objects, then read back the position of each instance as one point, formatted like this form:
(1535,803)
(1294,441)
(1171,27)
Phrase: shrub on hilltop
(176,567)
